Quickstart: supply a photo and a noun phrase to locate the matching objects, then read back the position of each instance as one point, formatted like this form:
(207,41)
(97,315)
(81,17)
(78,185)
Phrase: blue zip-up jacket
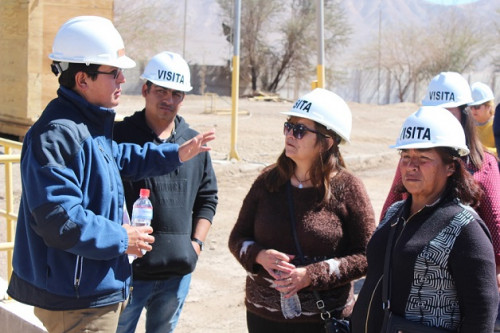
(70,246)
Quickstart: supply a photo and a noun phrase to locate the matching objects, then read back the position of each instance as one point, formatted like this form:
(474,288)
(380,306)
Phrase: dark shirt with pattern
(442,270)
(335,234)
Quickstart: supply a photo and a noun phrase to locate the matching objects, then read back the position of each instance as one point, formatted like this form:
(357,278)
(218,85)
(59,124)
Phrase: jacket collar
(139,119)
(99,117)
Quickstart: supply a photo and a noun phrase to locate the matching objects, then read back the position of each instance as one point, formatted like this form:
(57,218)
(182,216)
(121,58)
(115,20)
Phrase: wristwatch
(200,243)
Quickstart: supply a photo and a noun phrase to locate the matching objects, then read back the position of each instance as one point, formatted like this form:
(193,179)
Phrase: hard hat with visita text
(448,90)
(430,127)
(326,108)
(168,70)
(90,40)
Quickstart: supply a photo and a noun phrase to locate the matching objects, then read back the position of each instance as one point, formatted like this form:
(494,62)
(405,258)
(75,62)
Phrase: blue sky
(451,2)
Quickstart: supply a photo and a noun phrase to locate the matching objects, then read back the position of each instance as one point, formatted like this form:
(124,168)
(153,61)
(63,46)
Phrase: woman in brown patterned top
(334,221)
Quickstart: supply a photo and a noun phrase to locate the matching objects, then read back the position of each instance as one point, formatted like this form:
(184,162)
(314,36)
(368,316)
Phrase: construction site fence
(9,159)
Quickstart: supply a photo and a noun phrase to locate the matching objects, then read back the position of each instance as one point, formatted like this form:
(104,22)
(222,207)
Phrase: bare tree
(290,49)
(145,31)
(280,42)
(404,58)
(455,44)
(412,53)
(496,54)
(256,16)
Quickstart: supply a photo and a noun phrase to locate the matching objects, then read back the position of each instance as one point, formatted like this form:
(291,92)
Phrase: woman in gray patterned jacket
(442,265)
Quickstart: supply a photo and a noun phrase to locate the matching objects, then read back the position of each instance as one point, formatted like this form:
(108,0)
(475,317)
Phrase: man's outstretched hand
(196,145)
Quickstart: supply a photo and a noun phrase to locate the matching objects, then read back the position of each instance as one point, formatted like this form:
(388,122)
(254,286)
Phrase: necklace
(301,181)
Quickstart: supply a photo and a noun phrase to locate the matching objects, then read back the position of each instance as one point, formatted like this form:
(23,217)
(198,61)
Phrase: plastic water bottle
(142,211)
(290,307)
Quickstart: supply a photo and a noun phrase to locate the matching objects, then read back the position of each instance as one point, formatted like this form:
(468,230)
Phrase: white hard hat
(168,70)
(448,90)
(326,108)
(90,40)
(481,93)
(429,127)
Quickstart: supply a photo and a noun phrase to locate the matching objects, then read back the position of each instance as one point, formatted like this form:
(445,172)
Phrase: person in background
(70,252)
(483,111)
(496,128)
(451,91)
(334,221)
(433,238)
(184,201)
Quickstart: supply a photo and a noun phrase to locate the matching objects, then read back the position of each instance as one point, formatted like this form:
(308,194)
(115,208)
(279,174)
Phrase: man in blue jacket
(70,255)
(184,201)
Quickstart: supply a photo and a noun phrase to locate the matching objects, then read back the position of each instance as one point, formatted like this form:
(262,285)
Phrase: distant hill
(367,16)
(204,42)
(364,14)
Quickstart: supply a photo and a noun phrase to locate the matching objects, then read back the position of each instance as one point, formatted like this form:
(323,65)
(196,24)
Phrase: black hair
(67,77)
(476,155)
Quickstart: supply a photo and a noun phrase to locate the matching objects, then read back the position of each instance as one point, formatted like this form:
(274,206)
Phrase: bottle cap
(144,192)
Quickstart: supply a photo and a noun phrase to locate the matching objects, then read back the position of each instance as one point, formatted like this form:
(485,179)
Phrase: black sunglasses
(299,130)
(114,72)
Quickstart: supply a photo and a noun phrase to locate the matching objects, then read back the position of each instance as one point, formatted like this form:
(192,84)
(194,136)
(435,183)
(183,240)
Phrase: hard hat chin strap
(59,67)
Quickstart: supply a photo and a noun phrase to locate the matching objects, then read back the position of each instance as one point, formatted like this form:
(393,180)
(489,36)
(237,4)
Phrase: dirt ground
(215,302)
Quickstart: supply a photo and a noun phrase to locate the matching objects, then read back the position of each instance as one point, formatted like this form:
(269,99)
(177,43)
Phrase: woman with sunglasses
(305,223)
(483,110)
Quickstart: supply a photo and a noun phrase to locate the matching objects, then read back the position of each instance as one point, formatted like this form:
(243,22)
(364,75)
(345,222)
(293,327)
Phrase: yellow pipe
(235,88)
(8,159)
(9,205)
(7,246)
(6,215)
(320,71)
(12,158)
(10,143)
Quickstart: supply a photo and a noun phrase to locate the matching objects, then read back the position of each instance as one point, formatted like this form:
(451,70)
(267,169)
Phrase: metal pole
(320,69)
(185,23)
(379,53)
(235,86)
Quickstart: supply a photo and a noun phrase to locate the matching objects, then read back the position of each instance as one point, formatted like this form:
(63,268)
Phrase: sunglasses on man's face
(299,130)
(115,72)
